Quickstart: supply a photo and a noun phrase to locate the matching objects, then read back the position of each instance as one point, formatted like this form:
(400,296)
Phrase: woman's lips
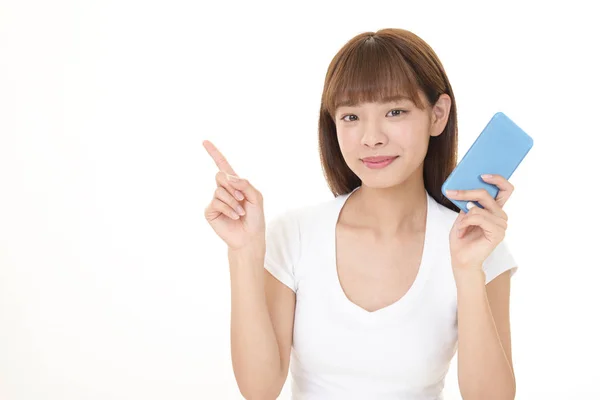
(380,164)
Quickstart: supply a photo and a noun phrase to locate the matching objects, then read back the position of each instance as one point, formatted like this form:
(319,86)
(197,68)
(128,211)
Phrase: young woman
(369,295)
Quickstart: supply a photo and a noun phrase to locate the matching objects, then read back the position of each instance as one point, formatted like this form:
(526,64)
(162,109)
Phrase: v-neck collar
(407,300)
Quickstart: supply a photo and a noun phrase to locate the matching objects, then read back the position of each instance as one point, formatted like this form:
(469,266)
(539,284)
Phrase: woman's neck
(391,211)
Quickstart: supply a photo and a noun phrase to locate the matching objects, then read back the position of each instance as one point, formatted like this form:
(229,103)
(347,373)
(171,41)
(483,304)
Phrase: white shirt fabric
(342,351)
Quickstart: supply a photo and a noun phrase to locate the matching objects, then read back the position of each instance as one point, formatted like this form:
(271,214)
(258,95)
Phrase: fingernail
(238,195)
(240,210)
(470,205)
(452,192)
(232,178)
(486,176)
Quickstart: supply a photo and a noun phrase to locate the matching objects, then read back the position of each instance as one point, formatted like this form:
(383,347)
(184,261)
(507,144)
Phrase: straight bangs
(371,72)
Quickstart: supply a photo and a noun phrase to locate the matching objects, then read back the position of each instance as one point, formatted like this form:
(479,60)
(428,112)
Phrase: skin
(391,200)
(385,219)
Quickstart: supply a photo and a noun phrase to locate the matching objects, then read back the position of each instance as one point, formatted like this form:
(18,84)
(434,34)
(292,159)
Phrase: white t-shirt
(342,351)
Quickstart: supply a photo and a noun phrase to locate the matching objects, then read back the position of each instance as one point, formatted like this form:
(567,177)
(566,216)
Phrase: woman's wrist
(254,249)
(469,276)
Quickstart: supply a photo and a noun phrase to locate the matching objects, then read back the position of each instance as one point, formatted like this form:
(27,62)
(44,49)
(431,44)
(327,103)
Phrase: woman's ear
(440,113)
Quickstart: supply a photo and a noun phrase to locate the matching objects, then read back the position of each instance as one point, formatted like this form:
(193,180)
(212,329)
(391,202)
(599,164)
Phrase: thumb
(461,216)
(243,185)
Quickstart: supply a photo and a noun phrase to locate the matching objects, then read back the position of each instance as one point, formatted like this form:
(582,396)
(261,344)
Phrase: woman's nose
(373,136)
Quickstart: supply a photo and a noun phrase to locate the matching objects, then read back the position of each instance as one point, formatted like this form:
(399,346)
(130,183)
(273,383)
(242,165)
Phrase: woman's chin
(381,182)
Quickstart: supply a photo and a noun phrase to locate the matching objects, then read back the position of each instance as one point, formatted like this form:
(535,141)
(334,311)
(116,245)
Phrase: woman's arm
(262,316)
(484,357)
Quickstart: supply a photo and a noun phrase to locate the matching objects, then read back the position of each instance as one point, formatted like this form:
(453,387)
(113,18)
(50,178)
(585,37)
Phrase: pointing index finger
(218,158)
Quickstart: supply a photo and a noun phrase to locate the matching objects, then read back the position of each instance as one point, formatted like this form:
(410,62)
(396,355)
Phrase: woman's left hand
(476,234)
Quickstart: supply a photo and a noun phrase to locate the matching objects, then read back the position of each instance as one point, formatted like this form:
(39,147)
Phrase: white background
(112,284)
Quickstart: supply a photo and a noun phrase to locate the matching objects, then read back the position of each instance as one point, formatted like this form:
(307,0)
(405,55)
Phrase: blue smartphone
(499,149)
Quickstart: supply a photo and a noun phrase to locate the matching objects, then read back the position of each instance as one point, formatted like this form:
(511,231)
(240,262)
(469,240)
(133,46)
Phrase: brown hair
(373,67)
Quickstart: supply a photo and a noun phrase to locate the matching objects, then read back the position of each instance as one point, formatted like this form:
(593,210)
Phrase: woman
(370,295)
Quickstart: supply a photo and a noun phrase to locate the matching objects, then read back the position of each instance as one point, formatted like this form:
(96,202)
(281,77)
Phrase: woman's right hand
(237,229)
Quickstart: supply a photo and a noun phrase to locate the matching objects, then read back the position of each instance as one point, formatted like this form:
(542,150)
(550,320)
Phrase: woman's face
(397,129)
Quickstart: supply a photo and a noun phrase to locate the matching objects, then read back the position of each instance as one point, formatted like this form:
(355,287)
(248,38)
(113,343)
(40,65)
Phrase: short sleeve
(282,248)
(500,260)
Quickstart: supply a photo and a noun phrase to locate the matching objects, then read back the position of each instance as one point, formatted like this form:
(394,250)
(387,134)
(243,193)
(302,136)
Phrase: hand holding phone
(499,149)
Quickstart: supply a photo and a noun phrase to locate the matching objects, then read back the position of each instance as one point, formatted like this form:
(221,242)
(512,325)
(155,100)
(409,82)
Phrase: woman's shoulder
(297,229)
(315,211)
(309,215)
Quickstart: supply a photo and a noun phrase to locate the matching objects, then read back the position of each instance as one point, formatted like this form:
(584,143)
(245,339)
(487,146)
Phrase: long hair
(370,67)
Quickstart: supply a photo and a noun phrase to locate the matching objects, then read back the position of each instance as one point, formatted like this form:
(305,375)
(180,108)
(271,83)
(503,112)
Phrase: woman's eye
(398,110)
(349,115)
(352,115)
